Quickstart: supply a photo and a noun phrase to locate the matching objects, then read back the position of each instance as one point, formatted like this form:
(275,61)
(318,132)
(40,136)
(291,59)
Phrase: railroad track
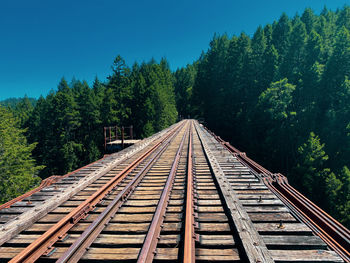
(181,197)
(327,228)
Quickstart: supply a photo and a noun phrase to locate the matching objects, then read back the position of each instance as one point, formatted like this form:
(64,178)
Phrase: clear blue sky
(41,41)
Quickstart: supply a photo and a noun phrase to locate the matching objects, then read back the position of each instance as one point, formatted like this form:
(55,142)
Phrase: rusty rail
(190,236)
(78,248)
(149,246)
(327,228)
(44,244)
(334,234)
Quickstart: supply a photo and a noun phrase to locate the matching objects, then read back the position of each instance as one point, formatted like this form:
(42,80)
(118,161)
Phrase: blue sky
(42,41)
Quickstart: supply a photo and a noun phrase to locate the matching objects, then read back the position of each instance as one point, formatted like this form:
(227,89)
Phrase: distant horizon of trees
(282,96)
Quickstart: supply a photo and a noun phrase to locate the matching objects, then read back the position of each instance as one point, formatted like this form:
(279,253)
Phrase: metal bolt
(281,226)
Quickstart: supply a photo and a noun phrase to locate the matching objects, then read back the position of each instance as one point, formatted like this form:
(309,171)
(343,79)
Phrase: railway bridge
(181,195)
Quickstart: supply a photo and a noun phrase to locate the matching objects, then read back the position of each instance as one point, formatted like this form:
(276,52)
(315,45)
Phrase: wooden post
(104,128)
(131,133)
(122,137)
(110,134)
(116,132)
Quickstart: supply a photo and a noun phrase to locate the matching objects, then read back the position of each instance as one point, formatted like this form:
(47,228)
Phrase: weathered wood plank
(271,217)
(214,227)
(230,255)
(105,239)
(210,209)
(111,227)
(294,242)
(257,196)
(253,244)
(216,240)
(305,256)
(261,202)
(212,217)
(266,209)
(288,228)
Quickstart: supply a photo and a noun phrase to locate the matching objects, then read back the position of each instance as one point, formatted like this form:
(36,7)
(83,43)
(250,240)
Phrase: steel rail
(78,248)
(190,236)
(327,228)
(250,245)
(334,234)
(148,249)
(44,243)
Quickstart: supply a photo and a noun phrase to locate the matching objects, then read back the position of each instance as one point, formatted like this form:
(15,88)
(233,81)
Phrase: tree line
(64,130)
(281,95)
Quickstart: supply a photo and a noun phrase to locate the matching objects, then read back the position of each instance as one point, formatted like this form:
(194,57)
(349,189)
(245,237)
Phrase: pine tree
(119,82)
(294,56)
(311,171)
(281,35)
(183,84)
(309,19)
(342,202)
(18,171)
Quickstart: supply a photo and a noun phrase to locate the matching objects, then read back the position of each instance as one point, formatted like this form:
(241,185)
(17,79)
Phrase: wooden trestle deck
(235,215)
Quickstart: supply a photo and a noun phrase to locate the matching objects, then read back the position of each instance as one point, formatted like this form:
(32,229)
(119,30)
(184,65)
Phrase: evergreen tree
(310,174)
(281,35)
(18,171)
(119,82)
(309,19)
(183,84)
(342,197)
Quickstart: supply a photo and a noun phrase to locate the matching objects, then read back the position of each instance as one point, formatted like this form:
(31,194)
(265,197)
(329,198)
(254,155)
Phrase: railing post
(110,134)
(116,132)
(131,133)
(105,135)
(122,137)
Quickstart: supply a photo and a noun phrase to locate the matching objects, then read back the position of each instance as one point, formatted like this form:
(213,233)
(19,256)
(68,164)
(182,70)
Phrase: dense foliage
(18,172)
(282,95)
(68,123)
(13,102)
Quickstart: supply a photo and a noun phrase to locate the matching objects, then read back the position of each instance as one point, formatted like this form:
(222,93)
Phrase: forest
(282,95)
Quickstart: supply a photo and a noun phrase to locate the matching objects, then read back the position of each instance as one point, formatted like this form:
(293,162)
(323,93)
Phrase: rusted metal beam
(149,246)
(190,236)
